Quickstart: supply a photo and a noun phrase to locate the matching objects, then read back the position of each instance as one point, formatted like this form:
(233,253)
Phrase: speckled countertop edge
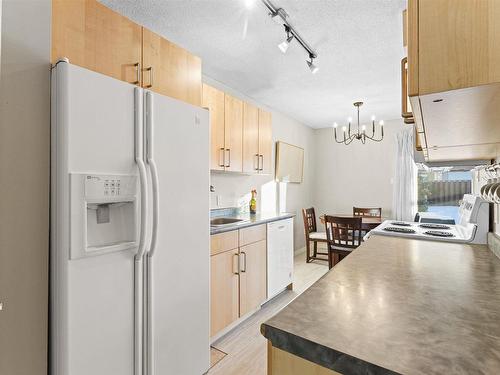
(317,353)
(251,221)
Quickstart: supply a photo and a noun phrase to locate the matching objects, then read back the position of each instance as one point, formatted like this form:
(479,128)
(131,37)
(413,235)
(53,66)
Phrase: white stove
(472,227)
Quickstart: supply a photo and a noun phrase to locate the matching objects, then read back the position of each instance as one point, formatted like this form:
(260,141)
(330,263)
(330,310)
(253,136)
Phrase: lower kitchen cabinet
(238,283)
(253,278)
(224,293)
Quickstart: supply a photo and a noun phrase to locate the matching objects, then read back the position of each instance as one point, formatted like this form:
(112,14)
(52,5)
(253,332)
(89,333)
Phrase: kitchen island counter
(398,305)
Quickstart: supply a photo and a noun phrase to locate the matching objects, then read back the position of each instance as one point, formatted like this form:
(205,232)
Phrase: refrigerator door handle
(139,159)
(153,169)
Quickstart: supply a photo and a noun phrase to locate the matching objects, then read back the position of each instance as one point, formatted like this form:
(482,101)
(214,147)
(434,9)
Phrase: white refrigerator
(129,229)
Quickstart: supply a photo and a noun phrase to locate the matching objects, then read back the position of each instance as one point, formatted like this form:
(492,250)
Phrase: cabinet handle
(223,157)
(237,264)
(261,157)
(256,168)
(244,261)
(138,73)
(150,70)
(228,157)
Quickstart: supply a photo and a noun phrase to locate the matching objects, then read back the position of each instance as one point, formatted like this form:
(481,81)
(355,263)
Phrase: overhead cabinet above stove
(454,77)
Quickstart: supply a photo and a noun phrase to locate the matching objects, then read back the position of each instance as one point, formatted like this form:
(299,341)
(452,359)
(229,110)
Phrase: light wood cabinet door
(94,37)
(233,133)
(265,141)
(250,138)
(457,44)
(224,304)
(213,99)
(253,276)
(170,70)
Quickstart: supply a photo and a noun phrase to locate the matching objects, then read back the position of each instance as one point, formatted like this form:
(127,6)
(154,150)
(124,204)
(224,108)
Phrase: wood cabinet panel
(253,276)
(280,362)
(252,234)
(93,36)
(222,242)
(265,141)
(250,138)
(233,133)
(458,44)
(213,99)
(170,70)
(224,296)
(412,36)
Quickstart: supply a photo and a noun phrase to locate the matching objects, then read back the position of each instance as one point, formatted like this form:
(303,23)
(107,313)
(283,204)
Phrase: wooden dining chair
(312,235)
(343,235)
(367,212)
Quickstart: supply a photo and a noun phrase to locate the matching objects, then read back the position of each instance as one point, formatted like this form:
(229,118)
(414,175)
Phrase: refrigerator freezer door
(179,269)
(92,307)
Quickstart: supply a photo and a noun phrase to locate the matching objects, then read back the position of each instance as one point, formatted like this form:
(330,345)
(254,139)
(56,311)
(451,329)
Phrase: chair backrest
(367,212)
(343,231)
(309,217)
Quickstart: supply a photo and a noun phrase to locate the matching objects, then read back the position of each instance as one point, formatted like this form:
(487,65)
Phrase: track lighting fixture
(283,46)
(311,65)
(280,16)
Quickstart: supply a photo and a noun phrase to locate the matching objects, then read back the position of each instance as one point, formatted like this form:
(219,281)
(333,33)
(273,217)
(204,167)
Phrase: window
(440,189)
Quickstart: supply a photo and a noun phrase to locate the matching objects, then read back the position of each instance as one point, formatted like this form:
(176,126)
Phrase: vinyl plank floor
(245,346)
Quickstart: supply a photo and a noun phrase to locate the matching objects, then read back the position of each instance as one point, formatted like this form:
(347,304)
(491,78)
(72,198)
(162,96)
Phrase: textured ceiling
(359,46)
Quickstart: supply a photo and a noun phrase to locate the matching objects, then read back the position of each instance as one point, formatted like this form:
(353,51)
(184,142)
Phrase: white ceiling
(359,46)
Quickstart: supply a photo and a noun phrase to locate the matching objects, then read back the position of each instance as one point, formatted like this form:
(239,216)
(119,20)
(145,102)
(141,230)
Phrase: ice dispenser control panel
(104,214)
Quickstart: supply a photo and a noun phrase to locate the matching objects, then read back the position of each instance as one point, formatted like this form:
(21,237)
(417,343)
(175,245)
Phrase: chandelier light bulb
(373,117)
(349,119)
(381,122)
(335,125)
(363,127)
(344,128)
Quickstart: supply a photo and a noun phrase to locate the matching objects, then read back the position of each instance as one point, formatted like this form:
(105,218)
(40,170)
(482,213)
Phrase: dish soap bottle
(253,203)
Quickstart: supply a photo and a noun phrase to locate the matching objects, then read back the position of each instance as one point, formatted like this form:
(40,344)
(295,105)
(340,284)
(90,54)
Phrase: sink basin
(219,221)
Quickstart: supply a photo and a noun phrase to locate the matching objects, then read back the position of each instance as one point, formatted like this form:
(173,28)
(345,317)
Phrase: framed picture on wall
(289,163)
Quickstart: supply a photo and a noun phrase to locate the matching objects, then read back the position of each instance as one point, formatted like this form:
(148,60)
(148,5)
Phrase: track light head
(311,65)
(283,46)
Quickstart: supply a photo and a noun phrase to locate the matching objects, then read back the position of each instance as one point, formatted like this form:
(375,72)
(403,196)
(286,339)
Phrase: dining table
(367,222)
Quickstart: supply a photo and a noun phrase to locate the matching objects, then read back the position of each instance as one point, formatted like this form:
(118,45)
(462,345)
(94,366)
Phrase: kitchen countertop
(250,220)
(399,305)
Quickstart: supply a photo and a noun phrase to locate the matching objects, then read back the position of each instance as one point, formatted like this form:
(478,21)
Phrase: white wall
(234,189)
(24,185)
(355,175)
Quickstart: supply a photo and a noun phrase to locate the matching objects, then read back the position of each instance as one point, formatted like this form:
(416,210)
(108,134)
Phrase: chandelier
(360,134)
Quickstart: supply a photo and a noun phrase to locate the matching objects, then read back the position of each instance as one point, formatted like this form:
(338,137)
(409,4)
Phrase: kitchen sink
(220,221)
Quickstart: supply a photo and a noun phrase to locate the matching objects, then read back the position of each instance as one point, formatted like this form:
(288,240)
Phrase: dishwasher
(279,256)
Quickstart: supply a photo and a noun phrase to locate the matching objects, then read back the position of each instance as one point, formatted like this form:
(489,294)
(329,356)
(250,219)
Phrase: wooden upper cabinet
(93,36)
(213,99)
(250,138)
(265,141)
(224,290)
(170,70)
(233,133)
(253,276)
(453,44)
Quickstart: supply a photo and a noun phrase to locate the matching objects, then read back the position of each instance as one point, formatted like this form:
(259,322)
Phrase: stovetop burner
(439,233)
(399,230)
(401,224)
(434,226)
